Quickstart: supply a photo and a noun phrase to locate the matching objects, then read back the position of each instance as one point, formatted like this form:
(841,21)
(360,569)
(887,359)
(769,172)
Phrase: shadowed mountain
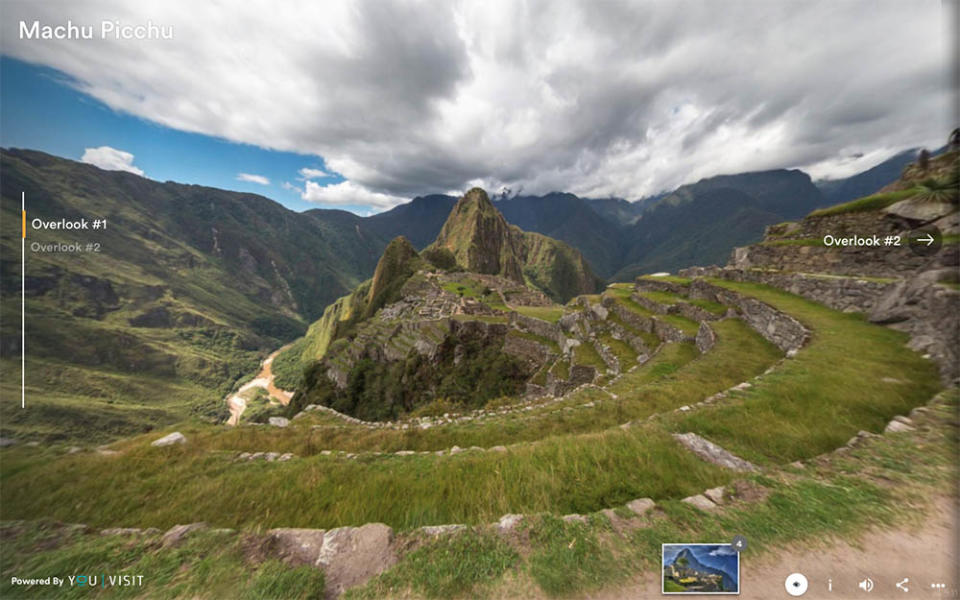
(186,283)
(419,220)
(570,219)
(699,224)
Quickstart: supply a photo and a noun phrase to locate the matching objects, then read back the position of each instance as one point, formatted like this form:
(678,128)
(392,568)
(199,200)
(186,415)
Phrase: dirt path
(925,554)
(264,379)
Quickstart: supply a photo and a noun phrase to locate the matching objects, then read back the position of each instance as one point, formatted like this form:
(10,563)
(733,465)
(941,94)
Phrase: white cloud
(308,173)
(348,193)
(290,187)
(250,178)
(110,159)
(609,98)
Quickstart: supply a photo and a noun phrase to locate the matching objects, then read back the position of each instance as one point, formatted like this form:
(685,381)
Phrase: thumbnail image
(701,569)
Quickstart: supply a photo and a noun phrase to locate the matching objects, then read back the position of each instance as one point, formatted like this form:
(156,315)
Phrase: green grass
(688,326)
(568,557)
(164,486)
(561,369)
(585,354)
(209,564)
(460,566)
(821,398)
(543,341)
(649,338)
(626,355)
(889,483)
(550,314)
(709,306)
(668,298)
(867,203)
(668,278)
(82,405)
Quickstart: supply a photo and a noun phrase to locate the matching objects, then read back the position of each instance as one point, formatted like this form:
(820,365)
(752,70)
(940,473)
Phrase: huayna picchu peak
(480,238)
(427,326)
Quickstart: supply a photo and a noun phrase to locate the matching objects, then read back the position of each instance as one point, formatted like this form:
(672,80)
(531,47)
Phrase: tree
(923,159)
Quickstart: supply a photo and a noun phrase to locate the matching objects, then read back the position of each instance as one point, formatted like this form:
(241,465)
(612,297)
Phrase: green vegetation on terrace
(709,306)
(622,296)
(626,355)
(649,338)
(578,461)
(153,485)
(549,343)
(667,278)
(668,298)
(821,398)
(586,354)
(163,486)
(893,481)
(688,326)
(551,314)
(867,203)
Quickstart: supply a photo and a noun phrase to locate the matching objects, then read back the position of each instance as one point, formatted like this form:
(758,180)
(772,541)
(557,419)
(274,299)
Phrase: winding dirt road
(264,379)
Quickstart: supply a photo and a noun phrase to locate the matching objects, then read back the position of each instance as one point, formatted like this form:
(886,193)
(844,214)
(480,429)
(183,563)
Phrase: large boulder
(713,453)
(168,440)
(352,555)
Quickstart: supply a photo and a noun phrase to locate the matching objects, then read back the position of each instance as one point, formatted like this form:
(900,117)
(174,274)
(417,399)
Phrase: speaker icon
(866,585)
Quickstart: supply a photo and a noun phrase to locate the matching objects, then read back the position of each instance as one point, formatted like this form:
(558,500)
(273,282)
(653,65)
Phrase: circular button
(925,241)
(796,584)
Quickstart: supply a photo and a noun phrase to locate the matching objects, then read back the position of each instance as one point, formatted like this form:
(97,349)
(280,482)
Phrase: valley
(484,413)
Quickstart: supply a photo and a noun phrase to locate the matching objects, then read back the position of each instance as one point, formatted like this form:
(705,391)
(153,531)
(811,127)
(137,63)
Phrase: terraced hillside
(760,399)
(734,383)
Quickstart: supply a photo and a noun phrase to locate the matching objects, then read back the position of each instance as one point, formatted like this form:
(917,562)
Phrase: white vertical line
(23,305)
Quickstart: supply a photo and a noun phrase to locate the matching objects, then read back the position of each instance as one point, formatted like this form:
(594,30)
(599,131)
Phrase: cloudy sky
(364,104)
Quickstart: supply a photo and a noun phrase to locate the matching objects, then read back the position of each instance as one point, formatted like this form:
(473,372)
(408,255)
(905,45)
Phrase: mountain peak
(398,262)
(480,238)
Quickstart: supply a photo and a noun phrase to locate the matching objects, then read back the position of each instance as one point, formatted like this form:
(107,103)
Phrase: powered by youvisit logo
(101,580)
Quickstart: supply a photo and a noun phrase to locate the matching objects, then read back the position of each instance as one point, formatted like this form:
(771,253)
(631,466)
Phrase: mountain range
(194,285)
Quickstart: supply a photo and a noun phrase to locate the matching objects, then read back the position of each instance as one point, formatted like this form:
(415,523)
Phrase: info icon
(796,584)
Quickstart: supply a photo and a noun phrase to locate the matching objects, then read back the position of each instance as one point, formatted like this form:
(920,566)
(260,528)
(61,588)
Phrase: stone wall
(531,352)
(539,327)
(780,329)
(659,285)
(669,333)
(848,261)
(839,293)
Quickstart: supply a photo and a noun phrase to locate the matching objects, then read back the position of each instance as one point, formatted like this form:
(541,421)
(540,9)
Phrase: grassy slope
(218,306)
(210,564)
(598,466)
(891,481)
(823,396)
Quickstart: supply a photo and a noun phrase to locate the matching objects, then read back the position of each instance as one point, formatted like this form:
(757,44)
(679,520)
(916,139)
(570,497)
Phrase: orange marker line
(24,222)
